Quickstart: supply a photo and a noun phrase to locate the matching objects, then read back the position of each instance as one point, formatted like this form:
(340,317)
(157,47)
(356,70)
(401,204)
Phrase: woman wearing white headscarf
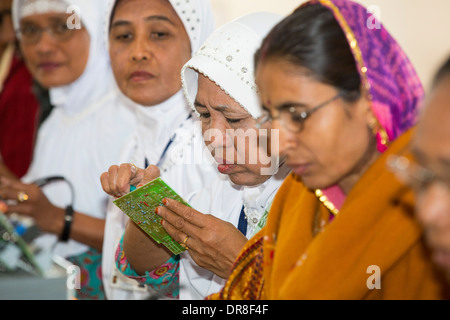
(63,45)
(225,98)
(151,38)
(226,59)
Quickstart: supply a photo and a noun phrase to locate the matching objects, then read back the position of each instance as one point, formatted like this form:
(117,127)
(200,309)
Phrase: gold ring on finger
(22,196)
(184,243)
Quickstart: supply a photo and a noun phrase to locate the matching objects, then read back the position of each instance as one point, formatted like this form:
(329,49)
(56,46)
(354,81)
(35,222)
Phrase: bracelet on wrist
(68,218)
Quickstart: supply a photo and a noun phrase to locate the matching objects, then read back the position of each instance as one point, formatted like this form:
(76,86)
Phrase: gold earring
(377,129)
(384,139)
(373,124)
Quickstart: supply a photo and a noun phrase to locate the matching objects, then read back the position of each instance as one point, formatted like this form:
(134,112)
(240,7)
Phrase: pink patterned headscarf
(387,74)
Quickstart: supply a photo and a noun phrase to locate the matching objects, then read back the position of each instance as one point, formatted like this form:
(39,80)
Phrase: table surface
(20,285)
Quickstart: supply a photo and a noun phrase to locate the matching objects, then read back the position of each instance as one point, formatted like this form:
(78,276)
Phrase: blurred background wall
(421,27)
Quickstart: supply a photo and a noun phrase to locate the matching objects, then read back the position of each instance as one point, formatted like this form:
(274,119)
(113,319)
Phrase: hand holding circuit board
(140,206)
(183,227)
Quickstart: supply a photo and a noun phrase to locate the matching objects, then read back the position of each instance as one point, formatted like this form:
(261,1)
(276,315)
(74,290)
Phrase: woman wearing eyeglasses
(343,97)
(63,45)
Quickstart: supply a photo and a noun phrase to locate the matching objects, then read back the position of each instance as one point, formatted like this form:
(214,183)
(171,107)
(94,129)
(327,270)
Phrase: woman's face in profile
(148,48)
(229,131)
(331,146)
(55,55)
(431,150)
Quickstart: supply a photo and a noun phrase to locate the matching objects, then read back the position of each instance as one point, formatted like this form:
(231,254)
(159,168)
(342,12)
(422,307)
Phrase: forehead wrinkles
(210,95)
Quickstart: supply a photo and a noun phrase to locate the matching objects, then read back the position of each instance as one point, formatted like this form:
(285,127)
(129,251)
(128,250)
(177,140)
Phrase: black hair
(311,38)
(443,72)
(113,13)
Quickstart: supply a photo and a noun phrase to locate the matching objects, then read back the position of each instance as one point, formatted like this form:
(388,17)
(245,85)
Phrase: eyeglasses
(292,117)
(414,175)
(31,34)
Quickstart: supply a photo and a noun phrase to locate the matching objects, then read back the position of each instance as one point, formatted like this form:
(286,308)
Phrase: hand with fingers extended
(117,181)
(212,243)
(29,200)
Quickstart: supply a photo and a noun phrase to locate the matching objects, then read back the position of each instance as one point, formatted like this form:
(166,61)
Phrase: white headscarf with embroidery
(157,125)
(154,121)
(226,58)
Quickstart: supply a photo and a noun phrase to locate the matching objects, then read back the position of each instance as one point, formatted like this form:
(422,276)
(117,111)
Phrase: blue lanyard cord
(161,158)
(242,225)
(163,155)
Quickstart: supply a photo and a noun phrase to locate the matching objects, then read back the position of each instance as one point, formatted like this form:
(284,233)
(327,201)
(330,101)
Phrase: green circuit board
(140,206)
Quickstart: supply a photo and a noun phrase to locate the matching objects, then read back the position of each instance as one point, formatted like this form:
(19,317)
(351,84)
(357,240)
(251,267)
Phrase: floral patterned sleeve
(164,279)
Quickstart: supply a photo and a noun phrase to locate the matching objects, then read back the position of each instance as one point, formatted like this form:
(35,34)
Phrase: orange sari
(301,255)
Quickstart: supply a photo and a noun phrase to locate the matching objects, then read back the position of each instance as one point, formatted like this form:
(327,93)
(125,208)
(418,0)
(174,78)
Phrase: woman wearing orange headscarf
(344,96)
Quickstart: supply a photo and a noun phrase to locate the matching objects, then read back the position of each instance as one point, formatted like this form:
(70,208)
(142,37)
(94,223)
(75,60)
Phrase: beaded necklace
(327,203)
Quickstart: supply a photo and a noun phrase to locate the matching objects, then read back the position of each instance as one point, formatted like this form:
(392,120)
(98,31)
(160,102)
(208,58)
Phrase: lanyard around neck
(166,148)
